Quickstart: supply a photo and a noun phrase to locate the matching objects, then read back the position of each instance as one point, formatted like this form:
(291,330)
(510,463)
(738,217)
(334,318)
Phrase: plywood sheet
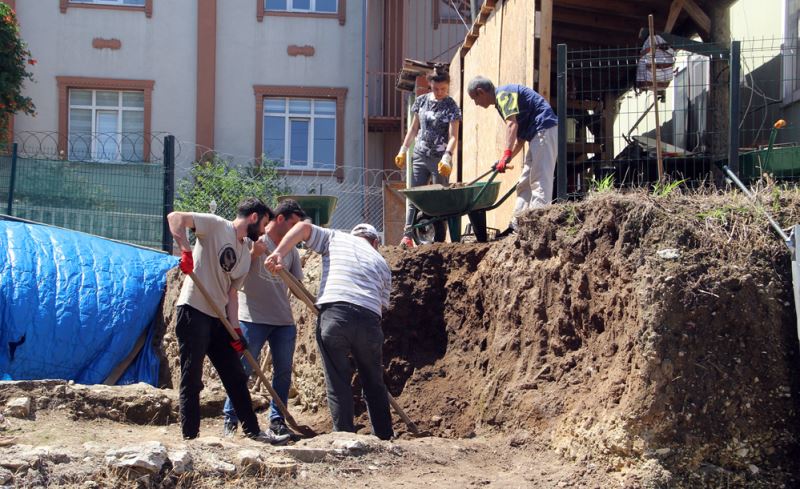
(504,53)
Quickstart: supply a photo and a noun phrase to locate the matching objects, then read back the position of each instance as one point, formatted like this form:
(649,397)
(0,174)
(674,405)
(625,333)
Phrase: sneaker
(278,427)
(229,429)
(269,437)
(406,243)
(507,232)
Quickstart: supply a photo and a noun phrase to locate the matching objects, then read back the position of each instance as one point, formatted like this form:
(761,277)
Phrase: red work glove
(187,262)
(239,345)
(501,165)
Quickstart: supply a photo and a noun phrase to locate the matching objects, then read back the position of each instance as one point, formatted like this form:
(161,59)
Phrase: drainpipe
(364,105)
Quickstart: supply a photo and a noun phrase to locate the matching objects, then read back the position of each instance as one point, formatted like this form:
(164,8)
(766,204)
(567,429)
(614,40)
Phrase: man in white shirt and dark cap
(354,290)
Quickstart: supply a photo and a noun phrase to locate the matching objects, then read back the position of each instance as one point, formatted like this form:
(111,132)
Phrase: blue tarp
(73,305)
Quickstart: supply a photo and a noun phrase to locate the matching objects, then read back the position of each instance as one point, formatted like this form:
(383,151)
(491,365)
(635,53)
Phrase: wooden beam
(699,17)
(610,21)
(622,8)
(594,105)
(591,37)
(545,48)
(674,12)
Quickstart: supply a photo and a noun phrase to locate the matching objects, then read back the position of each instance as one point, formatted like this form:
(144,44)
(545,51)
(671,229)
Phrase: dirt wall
(620,331)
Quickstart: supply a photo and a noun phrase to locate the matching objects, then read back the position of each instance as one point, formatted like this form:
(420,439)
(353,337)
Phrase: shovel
(299,290)
(304,430)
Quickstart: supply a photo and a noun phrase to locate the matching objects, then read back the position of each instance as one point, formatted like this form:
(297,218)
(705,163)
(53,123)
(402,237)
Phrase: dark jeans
(200,335)
(345,329)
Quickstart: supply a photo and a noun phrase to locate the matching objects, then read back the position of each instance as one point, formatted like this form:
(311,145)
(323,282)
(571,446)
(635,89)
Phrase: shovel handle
(248,356)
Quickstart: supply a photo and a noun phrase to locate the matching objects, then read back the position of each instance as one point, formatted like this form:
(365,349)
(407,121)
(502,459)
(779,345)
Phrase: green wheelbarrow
(437,204)
(318,207)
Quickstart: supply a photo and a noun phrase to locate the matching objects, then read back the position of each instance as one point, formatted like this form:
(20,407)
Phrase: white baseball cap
(365,230)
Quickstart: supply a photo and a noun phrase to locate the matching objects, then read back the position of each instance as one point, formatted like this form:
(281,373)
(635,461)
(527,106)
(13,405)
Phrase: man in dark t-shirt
(530,118)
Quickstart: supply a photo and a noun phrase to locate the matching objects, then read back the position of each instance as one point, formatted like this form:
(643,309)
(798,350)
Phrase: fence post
(561,169)
(169,191)
(13,180)
(733,123)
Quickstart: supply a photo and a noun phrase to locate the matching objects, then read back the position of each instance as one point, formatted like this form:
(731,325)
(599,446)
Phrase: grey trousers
(423,170)
(345,329)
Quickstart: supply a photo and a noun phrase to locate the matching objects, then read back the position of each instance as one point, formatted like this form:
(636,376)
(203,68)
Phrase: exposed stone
(222,466)
(352,447)
(149,457)
(18,407)
(307,455)
(182,461)
(281,466)
(5,475)
(249,460)
(14,464)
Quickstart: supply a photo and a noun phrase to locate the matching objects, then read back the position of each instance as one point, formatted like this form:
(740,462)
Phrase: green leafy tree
(14,61)
(217,186)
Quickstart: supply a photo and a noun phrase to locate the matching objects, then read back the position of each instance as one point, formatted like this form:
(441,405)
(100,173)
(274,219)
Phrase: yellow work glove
(444,166)
(400,159)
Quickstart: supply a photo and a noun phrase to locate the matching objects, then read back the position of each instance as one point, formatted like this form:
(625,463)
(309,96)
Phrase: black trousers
(346,329)
(199,335)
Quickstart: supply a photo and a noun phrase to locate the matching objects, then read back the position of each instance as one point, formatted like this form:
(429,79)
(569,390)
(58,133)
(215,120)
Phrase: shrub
(14,61)
(217,183)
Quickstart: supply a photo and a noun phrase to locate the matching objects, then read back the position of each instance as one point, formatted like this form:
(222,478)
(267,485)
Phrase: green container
(784,162)
(444,201)
(318,207)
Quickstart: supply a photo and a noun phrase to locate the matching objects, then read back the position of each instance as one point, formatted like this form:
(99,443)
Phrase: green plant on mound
(725,214)
(218,186)
(665,189)
(605,184)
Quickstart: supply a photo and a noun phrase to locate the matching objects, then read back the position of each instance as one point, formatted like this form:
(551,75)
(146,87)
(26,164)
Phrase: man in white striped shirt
(354,289)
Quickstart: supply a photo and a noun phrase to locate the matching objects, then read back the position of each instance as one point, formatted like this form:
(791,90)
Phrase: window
(104,119)
(134,3)
(300,133)
(327,9)
(301,128)
(106,125)
(318,6)
(145,6)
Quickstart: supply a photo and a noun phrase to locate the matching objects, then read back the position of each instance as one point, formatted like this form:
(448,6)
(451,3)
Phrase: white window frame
(107,2)
(287,136)
(120,108)
(311,10)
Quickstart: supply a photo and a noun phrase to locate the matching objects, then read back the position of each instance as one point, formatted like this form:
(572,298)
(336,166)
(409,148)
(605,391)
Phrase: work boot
(269,437)
(229,429)
(278,427)
(406,243)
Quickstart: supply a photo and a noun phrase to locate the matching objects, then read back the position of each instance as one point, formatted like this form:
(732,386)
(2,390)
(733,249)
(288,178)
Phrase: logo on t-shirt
(227,258)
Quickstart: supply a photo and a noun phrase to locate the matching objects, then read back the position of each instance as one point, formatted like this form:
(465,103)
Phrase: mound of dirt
(649,337)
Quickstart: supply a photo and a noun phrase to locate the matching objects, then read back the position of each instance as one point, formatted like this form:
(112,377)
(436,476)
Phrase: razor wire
(361,192)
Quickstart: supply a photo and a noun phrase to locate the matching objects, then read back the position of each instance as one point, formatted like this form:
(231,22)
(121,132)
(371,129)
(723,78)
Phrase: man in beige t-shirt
(265,314)
(220,261)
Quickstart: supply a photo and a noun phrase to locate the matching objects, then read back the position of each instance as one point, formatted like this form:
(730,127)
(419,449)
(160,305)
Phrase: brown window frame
(65,83)
(341,12)
(147,8)
(337,94)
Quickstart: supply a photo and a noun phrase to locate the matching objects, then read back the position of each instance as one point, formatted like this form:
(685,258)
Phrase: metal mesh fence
(361,193)
(122,200)
(704,117)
